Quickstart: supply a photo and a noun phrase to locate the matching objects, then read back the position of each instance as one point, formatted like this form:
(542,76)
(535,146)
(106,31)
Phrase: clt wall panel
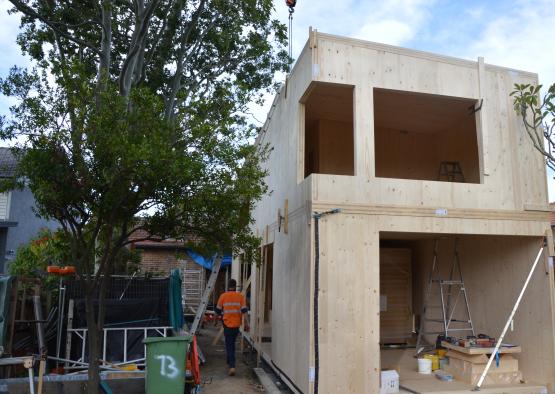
(349,297)
(515,174)
(349,305)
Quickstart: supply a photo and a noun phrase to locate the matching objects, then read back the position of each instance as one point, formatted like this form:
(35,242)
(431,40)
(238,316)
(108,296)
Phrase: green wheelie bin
(165,364)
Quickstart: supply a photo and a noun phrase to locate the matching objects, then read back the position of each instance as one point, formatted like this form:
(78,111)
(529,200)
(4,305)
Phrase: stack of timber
(467,364)
(395,295)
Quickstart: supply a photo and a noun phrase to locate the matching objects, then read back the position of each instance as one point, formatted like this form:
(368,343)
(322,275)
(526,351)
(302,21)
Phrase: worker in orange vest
(233,307)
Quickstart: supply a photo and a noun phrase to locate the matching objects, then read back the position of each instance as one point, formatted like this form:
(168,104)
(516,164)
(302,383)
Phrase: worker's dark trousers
(230,335)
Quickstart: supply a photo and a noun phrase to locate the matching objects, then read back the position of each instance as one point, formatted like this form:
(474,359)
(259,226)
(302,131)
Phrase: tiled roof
(138,241)
(8,163)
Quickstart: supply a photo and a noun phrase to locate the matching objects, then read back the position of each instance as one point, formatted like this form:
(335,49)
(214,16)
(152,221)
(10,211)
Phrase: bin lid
(187,338)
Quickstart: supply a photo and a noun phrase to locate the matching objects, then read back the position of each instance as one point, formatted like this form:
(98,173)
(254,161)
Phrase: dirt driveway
(214,372)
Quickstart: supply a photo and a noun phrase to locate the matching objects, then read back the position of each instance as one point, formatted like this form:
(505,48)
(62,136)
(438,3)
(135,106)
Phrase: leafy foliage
(47,248)
(139,109)
(538,117)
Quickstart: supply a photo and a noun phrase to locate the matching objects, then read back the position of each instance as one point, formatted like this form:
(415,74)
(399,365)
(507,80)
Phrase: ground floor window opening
(480,278)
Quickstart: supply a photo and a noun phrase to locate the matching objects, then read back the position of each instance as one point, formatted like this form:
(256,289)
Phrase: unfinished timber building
(413,158)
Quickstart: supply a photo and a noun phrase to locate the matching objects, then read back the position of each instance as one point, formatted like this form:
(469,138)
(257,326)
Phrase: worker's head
(232,285)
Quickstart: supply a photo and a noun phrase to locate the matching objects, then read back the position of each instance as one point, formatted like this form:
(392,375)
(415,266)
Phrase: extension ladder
(206,296)
(449,292)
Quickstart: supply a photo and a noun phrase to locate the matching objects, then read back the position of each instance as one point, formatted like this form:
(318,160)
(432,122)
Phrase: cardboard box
(390,382)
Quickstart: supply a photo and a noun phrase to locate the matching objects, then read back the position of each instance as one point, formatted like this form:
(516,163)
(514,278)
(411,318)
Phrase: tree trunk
(95,324)
(93,386)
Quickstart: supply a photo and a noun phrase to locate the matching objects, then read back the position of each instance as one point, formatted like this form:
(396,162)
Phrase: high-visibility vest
(232,304)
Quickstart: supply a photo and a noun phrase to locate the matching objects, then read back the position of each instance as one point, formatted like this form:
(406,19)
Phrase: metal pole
(38,318)
(60,323)
(31,380)
(509,320)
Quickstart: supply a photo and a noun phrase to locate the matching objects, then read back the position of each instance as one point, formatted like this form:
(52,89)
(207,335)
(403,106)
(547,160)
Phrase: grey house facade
(18,220)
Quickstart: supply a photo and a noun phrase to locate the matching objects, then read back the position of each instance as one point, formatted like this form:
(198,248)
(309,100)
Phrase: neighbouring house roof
(141,243)
(172,244)
(8,163)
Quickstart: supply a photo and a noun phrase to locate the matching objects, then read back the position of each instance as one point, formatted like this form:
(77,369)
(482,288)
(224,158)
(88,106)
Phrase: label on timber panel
(441,212)
(315,69)
(311,374)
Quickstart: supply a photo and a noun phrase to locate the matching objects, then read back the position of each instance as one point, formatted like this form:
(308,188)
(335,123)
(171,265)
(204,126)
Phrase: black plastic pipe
(317,216)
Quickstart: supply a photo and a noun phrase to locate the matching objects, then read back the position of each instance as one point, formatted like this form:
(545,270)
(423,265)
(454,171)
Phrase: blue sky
(517,34)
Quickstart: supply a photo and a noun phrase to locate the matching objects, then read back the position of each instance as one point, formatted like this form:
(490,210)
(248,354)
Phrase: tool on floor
(450,293)
(510,319)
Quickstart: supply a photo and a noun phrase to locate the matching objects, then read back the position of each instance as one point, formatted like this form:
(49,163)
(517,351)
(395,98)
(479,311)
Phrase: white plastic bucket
(424,366)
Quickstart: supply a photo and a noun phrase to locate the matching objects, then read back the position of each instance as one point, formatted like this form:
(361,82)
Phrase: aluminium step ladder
(444,318)
(450,171)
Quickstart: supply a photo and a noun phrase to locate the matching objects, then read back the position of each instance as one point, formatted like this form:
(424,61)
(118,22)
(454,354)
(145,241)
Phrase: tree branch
(105,48)
(24,8)
(137,45)
(176,80)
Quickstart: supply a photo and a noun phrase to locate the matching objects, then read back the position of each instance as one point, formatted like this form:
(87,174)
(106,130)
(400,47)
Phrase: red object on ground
(210,317)
(195,367)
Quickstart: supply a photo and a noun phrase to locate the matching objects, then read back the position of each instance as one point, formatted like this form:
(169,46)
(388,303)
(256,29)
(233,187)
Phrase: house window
(328,131)
(425,136)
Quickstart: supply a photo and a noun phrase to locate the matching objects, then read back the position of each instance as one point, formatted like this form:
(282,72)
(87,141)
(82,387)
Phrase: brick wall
(158,261)
(162,256)
(164,260)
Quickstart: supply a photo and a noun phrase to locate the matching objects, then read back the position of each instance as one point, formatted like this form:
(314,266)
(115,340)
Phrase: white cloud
(388,31)
(394,22)
(475,12)
(521,39)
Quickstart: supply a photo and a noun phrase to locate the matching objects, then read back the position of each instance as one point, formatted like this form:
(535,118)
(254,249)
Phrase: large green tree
(139,106)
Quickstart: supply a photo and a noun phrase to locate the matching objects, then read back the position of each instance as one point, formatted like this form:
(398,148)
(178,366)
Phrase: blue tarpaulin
(207,262)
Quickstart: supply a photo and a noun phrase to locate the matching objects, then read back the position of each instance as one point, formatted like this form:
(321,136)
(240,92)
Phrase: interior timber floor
(412,382)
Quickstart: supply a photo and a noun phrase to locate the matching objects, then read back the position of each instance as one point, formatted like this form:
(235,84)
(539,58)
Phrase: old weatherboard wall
(409,146)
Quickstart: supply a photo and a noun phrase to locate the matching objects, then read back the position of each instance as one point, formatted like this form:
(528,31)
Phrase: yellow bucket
(441,352)
(435,360)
